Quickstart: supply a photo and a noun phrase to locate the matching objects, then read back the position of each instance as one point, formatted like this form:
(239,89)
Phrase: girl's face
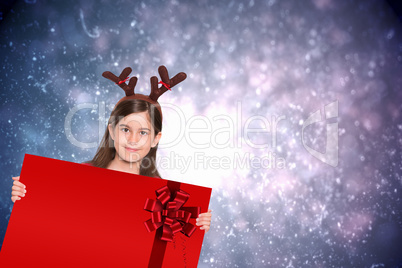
(133,137)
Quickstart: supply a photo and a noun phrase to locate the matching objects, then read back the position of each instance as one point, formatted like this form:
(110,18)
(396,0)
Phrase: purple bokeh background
(248,63)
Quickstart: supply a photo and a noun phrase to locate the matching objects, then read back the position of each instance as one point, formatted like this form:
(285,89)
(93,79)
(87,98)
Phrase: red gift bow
(122,81)
(164,84)
(170,214)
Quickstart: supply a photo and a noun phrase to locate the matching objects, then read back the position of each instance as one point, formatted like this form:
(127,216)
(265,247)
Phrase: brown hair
(106,151)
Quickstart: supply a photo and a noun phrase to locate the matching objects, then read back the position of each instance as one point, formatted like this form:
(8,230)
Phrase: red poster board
(75,215)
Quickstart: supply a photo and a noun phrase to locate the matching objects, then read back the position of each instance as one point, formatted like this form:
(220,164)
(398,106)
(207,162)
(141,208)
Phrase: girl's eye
(143,133)
(125,130)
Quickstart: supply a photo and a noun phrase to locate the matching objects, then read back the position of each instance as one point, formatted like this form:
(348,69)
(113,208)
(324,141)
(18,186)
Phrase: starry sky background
(248,64)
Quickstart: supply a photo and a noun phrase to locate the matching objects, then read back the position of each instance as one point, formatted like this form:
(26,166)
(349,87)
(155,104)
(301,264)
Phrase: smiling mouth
(131,149)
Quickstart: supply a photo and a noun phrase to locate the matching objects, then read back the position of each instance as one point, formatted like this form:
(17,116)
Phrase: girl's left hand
(204,219)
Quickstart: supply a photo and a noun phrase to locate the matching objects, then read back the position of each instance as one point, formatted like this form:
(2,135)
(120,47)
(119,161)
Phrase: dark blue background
(277,57)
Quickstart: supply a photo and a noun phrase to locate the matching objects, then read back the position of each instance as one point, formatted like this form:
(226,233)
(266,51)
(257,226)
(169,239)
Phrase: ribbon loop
(163,197)
(156,217)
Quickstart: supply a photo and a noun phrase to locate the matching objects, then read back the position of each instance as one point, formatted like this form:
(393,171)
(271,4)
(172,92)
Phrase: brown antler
(163,73)
(121,80)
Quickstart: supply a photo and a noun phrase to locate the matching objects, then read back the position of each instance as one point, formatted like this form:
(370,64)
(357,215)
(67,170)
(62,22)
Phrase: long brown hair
(106,151)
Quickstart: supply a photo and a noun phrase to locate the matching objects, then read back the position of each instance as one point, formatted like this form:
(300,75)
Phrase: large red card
(75,215)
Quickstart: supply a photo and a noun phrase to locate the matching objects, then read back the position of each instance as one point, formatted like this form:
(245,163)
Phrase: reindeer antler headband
(156,91)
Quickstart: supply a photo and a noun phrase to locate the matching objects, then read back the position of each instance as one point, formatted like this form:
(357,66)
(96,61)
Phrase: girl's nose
(133,138)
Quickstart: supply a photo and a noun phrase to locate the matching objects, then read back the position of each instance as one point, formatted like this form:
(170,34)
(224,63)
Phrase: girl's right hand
(18,189)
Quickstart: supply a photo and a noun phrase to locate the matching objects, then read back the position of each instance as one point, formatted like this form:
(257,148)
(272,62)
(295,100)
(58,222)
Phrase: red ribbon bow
(166,85)
(122,81)
(170,214)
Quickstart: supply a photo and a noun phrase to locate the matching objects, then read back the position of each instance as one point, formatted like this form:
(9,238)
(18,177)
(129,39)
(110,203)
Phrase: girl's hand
(204,219)
(18,189)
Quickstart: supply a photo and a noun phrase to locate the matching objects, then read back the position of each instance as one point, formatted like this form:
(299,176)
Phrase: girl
(131,138)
